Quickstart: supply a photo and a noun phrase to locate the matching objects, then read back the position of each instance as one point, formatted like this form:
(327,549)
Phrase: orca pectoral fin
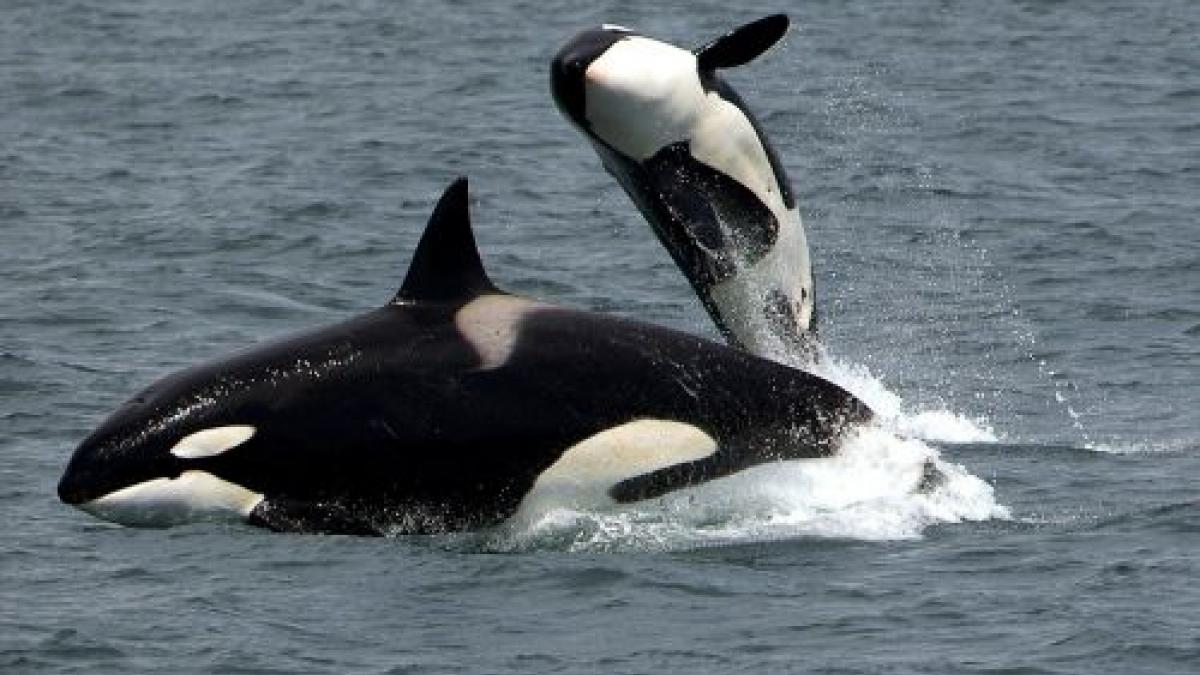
(691,222)
(679,476)
(288,515)
(730,458)
(690,229)
(932,478)
(722,215)
(742,45)
(683,218)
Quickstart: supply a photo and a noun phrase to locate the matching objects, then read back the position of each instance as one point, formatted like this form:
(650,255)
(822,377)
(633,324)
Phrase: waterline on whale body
(887,482)
(872,490)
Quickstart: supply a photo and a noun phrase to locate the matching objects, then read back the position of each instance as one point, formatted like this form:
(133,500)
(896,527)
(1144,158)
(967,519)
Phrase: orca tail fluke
(742,45)
(446,266)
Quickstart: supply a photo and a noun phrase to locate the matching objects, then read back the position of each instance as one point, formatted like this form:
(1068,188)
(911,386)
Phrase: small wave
(80,91)
(1142,447)
(312,210)
(215,100)
(1175,518)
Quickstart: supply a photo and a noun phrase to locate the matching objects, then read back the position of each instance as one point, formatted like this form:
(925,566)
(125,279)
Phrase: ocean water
(1002,203)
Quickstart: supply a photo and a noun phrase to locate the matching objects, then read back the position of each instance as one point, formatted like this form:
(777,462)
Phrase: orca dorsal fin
(742,45)
(446,266)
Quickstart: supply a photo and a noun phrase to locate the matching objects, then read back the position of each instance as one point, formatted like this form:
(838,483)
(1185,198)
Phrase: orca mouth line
(87,481)
(159,502)
(79,486)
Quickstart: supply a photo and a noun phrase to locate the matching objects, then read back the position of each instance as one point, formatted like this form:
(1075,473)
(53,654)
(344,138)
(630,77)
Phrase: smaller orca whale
(695,161)
(443,409)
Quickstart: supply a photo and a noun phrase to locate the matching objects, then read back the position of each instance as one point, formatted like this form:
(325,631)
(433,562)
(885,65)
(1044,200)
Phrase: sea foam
(876,487)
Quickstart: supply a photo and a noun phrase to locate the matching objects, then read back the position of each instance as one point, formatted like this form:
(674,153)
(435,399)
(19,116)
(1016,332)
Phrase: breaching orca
(696,163)
(443,409)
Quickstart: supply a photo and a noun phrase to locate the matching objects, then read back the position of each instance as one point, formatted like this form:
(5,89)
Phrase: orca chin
(443,409)
(161,502)
(697,164)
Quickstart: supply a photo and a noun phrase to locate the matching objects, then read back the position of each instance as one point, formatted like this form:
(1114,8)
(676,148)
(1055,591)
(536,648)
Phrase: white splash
(885,483)
(939,426)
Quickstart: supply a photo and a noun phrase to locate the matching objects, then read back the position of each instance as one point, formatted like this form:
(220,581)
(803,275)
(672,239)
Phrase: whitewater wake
(875,488)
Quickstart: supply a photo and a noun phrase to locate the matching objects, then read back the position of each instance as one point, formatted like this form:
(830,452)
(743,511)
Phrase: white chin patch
(194,496)
(211,442)
(642,94)
(592,466)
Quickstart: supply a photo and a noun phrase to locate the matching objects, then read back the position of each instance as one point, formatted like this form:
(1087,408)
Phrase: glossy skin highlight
(441,410)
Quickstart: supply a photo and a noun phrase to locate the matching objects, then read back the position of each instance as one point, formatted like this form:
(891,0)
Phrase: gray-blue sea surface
(1002,203)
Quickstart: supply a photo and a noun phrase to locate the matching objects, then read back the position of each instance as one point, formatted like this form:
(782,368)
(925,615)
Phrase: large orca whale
(443,409)
(695,161)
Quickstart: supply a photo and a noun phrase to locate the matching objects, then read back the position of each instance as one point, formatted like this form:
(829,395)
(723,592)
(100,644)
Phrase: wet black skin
(386,422)
(389,422)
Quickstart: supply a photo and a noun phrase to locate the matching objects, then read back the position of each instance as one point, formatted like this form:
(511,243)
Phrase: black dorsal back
(446,267)
(742,45)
